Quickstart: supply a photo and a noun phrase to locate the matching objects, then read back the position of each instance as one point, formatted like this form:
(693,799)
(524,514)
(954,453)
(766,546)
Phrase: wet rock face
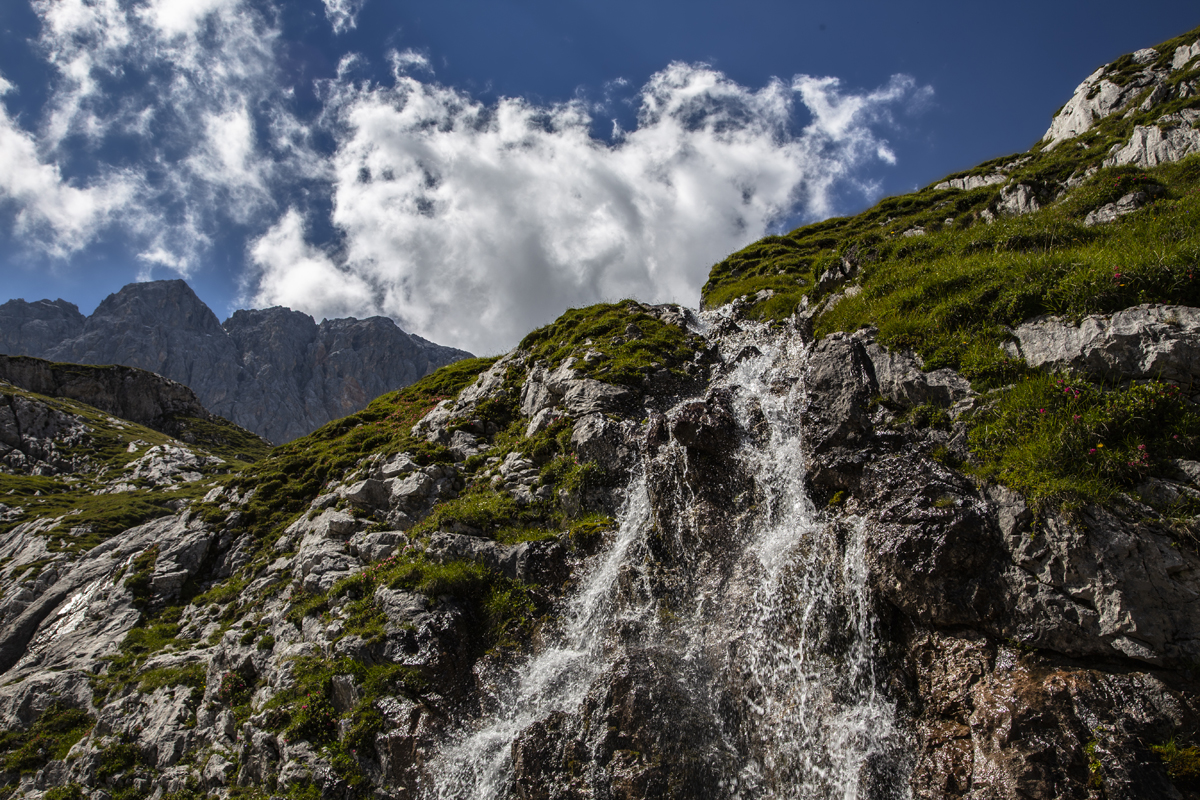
(933,547)
(836,424)
(273,371)
(1041,661)
(639,734)
(697,487)
(1001,723)
(706,429)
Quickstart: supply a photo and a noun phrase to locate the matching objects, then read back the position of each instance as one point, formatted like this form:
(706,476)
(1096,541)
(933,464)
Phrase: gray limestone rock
(273,371)
(1143,342)
(1184,54)
(970,182)
(534,562)
(1098,97)
(1016,200)
(29,329)
(1173,137)
(1127,204)
(1093,100)
(1099,585)
(131,394)
(900,378)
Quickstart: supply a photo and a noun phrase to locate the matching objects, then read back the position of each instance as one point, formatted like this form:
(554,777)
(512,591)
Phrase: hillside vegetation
(947,273)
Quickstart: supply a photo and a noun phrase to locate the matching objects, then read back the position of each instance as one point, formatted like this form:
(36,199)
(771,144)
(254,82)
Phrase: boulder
(900,379)
(1127,204)
(1139,343)
(1173,137)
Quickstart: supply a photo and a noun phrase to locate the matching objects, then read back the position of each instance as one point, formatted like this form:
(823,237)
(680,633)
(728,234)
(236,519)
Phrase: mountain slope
(909,538)
(273,371)
(73,473)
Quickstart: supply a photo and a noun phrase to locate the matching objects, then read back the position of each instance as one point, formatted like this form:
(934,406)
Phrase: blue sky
(472,168)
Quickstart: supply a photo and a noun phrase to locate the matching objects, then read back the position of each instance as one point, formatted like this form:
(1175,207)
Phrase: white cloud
(405,61)
(201,157)
(298,275)
(468,223)
(59,217)
(343,14)
(471,224)
(182,17)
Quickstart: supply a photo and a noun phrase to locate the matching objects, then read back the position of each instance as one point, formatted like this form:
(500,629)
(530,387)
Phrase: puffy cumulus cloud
(295,274)
(188,92)
(470,224)
(343,14)
(58,217)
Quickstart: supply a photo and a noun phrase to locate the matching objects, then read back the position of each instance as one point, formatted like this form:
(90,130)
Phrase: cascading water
(555,679)
(797,634)
(774,645)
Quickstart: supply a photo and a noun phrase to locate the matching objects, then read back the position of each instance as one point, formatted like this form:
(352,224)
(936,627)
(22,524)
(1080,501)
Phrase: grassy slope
(951,294)
(86,518)
(789,265)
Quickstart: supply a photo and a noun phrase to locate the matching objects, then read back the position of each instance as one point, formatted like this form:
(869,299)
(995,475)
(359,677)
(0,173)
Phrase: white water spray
(779,649)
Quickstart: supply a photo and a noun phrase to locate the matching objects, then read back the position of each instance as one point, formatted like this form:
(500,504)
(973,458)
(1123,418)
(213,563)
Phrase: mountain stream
(772,638)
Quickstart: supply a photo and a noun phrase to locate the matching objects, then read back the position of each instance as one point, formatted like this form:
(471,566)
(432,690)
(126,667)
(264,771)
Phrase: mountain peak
(273,371)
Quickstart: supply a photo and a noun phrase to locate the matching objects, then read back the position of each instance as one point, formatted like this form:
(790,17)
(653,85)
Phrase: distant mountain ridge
(273,371)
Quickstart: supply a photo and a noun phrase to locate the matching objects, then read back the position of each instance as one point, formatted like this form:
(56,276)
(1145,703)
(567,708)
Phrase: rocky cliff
(911,509)
(273,371)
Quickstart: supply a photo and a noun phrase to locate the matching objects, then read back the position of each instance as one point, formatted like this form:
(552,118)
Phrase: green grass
(152,634)
(501,615)
(789,265)
(481,507)
(288,480)
(49,738)
(190,675)
(305,711)
(117,759)
(952,294)
(1182,763)
(217,435)
(502,611)
(86,518)
(223,439)
(138,583)
(626,358)
(1065,440)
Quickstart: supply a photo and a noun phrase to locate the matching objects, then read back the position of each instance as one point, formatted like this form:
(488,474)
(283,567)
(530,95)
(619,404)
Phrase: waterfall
(774,639)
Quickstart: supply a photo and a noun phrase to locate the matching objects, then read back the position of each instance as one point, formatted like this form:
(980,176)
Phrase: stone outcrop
(1126,204)
(1139,343)
(1104,93)
(274,371)
(132,394)
(969,182)
(763,565)
(1024,640)
(30,328)
(1173,137)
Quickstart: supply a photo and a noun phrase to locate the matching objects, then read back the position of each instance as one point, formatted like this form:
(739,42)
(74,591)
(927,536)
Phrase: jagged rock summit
(273,371)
